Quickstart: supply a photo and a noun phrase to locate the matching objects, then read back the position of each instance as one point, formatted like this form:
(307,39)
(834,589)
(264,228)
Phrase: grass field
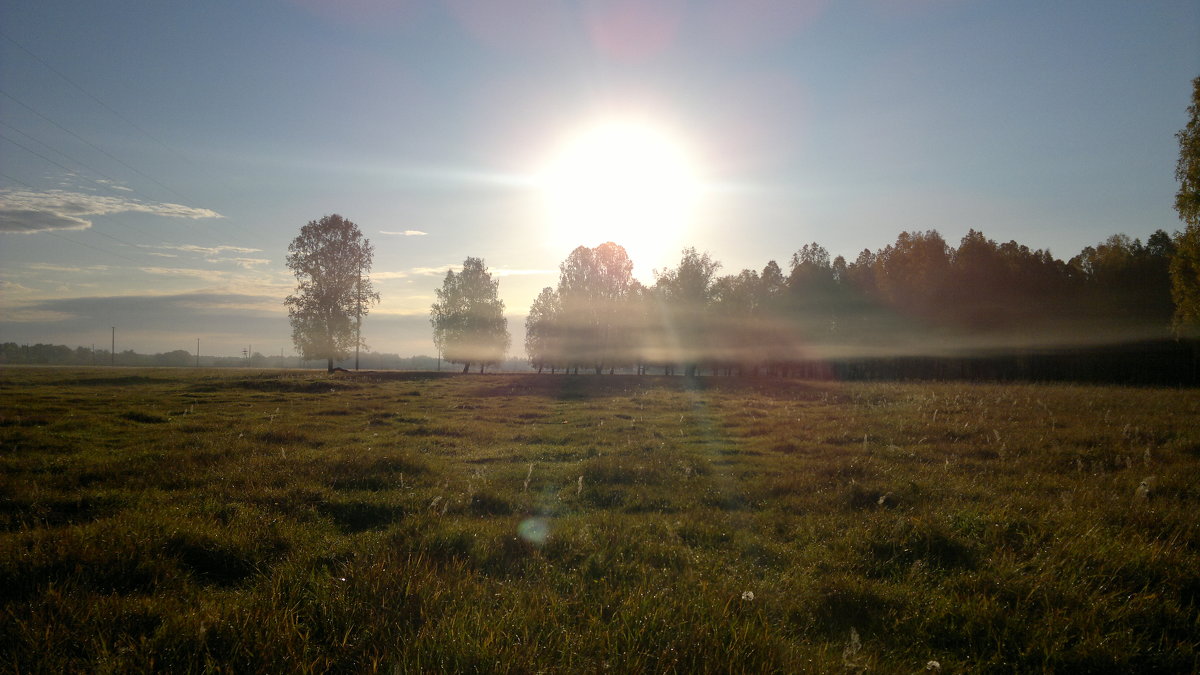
(192,520)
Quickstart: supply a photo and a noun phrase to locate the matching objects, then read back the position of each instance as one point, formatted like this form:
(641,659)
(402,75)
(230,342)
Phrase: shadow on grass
(358,516)
(584,387)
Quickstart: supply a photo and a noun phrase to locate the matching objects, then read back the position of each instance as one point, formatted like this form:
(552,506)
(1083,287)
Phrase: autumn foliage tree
(330,259)
(593,289)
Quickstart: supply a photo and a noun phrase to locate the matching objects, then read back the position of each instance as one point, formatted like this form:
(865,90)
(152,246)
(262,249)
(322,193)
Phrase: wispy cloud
(412,272)
(201,250)
(172,306)
(113,185)
(505,272)
(11,287)
(441,271)
(49,267)
(207,275)
(34,315)
(31,220)
(25,211)
(383,276)
(404,233)
(244,263)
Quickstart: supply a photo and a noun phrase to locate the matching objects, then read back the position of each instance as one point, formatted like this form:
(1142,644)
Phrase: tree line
(917,296)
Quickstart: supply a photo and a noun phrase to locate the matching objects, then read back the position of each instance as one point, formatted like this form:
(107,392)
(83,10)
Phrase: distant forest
(918,298)
(12,353)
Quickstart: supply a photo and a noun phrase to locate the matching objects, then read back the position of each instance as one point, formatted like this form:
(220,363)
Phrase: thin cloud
(113,185)
(504,272)
(494,271)
(34,315)
(383,276)
(405,233)
(244,263)
(25,211)
(12,287)
(30,220)
(125,306)
(207,275)
(48,267)
(432,271)
(201,250)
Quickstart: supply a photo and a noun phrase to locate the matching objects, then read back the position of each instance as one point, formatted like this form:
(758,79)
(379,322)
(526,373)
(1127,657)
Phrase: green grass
(180,520)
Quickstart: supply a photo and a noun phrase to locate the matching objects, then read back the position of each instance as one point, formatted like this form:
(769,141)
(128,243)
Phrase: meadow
(266,521)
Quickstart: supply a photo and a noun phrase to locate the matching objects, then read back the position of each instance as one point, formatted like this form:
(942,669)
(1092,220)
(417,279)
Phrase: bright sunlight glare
(625,182)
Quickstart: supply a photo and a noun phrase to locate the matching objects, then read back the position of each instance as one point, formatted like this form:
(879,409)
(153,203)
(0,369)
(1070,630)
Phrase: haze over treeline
(917,296)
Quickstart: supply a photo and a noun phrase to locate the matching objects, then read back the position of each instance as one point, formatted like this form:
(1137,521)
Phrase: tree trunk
(467,368)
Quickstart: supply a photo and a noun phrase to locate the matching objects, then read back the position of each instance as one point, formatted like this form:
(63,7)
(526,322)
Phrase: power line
(92,96)
(37,154)
(60,152)
(96,147)
(17,180)
(70,171)
(114,112)
(94,248)
(61,166)
(79,243)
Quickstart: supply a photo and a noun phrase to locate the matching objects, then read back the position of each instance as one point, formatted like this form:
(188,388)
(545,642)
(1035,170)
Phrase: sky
(157,157)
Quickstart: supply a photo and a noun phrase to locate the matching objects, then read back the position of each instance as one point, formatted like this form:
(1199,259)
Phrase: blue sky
(189,142)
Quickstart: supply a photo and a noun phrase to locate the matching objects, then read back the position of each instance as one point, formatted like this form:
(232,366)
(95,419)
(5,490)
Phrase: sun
(626,182)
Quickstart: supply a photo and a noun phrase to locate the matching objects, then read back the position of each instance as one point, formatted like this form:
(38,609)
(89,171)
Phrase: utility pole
(358,321)
(112,354)
(93,353)
(197,352)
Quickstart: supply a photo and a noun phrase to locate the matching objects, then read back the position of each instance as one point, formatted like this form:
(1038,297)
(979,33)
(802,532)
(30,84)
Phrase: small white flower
(933,667)
(747,595)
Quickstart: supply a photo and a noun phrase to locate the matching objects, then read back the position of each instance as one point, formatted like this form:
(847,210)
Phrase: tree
(541,330)
(1185,264)
(330,259)
(735,310)
(688,291)
(813,292)
(593,288)
(911,273)
(468,317)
